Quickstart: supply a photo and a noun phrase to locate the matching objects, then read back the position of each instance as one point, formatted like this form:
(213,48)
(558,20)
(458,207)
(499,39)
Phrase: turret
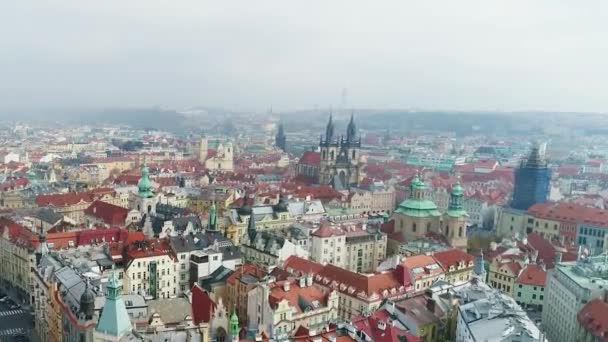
(456,197)
(114,321)
(455,219)
(417,188)
(234,326)
(87,302)
(251,230)
(212,226)
(480,270)
(144,185)
(42,248)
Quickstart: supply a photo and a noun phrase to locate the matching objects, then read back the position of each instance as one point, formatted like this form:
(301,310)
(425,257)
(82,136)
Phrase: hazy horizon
(432,55)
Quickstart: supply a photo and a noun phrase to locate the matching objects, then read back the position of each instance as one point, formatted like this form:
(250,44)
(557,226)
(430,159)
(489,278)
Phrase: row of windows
(593,232)
(533,296)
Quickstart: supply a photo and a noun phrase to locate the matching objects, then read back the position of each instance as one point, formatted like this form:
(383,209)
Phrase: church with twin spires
(341,161)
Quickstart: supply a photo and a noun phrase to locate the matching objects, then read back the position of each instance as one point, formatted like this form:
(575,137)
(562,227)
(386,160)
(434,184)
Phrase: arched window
(331,155)
(460,231)
(324,155)
(413,227)
(354,154)
(149,208)
(428,227)
(447,230)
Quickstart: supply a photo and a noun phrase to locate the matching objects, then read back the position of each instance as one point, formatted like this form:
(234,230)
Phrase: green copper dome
(417,205)
(457,189)
(145,185)
(417,183)
(455,207)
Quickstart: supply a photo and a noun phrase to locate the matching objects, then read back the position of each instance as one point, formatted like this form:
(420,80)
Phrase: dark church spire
(329,131)
(351,131)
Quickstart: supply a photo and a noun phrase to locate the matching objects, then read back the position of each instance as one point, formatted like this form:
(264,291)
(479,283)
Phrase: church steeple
(144,185)
(234,326)
(251,230)
(351,130)
(212,226)
(329,130)
(455,207)
(480,270)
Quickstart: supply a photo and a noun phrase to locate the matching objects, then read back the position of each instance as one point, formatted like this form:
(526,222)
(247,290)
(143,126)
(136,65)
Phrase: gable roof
(452,257)
(371,326)
(533,275)
(203,306)
(310,158)
(110,214)
(594,318)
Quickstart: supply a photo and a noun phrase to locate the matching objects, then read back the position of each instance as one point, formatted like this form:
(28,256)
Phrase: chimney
(381,325)
(309,279)
(286,286)
(302,282)
(558,257)
(430,305)
(534,256)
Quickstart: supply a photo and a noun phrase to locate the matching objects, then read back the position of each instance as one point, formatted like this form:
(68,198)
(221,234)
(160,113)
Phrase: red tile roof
(570,212)
(310,158)
(202,305)
(18,234)
(244,269)
(453,257)
(533,275)
(295,293)
(144,249)
(110,214)
(568,170)
(514,266)
(593,317)
(372,324)
(71,198)
(295,264)
(327,231)
(546,250)
(418,261)
(352,283)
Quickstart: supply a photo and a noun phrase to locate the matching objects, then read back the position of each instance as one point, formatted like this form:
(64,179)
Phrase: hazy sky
(509,55)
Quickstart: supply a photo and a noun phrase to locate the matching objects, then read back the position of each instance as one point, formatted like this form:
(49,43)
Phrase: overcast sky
(470,55)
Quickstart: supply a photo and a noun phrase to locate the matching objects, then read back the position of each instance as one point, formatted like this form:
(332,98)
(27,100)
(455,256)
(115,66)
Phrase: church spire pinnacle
(351,130)
(329,131)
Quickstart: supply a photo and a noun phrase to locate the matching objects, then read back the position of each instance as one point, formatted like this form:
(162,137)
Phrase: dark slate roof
(168,211)
(179,223)
(231,253)
(217,277)
(48,215)
(266,240)
(200,241)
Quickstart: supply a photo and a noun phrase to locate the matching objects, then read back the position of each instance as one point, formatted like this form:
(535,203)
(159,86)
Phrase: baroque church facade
(340,164)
